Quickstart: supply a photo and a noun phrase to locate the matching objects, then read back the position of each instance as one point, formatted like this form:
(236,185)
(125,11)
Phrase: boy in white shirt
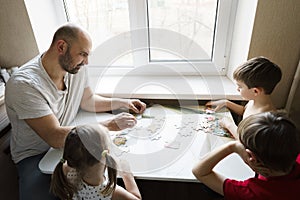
(255,80)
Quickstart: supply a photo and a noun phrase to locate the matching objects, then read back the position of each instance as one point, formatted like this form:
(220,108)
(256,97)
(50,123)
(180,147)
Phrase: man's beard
(66,62)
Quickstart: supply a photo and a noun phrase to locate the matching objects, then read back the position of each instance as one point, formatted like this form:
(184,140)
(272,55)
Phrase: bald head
(70,33)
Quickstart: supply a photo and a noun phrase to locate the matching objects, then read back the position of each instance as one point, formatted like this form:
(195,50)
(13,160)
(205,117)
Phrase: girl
(88,171)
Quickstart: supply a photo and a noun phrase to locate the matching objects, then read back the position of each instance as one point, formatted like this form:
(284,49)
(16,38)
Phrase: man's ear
(61,46)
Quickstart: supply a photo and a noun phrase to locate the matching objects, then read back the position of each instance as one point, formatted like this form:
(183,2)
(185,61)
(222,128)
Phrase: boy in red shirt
(270,144)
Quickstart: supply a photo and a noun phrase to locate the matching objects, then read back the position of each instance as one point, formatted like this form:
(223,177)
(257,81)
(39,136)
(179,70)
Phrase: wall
(275,35)
(17,42)
(293,104)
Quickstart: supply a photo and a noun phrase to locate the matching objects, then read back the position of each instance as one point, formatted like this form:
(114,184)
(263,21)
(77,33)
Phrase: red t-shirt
(262,188)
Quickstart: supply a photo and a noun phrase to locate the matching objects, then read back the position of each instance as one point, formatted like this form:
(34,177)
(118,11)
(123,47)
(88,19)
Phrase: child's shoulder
(251,108)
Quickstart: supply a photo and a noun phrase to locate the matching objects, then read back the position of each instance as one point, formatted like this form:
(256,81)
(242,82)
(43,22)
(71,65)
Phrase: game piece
(172,145)
(119,140)
(121,150)
(209,111)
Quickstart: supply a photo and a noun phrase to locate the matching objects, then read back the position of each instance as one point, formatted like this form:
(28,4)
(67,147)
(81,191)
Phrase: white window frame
(138,21)
(224,29)
(218,64)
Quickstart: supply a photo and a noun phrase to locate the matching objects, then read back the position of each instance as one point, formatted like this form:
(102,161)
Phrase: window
(193,19)
(187,36)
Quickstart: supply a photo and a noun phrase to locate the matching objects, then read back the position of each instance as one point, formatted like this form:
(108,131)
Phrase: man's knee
(33,184)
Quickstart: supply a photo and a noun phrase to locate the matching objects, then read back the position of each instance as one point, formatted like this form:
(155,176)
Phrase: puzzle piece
(172,145)
(121,150)
(209,111)
(210,124)
(186,131)
(155,137)
(119,140)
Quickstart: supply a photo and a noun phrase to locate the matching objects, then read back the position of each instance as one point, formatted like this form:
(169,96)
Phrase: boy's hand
(216,105)
(226,122)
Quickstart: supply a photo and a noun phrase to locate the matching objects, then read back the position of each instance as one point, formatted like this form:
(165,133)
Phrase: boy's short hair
(259,72)
(273,139)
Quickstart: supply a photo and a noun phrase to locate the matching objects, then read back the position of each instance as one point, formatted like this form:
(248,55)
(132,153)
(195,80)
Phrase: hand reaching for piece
(229,124)
(226,122)
(120,122)
(216,105)
(135,105)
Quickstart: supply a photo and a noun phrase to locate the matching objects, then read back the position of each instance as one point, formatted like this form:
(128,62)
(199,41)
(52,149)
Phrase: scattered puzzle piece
(209,111)
(119,140)
(156,137)
(172,145)
(121,150)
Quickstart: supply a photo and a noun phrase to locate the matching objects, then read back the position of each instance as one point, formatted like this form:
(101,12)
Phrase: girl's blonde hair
(84,147)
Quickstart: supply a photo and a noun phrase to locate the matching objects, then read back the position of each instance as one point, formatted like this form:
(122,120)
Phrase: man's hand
(135,105)
(120,122)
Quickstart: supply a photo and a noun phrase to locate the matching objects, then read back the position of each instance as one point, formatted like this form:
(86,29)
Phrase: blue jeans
(33,184)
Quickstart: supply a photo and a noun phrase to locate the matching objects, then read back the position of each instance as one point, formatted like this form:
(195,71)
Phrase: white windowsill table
(166,87)
(150,159)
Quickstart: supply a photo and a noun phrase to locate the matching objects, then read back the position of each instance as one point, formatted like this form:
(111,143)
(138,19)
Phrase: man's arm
(49,129)
(203,170)
(95,103)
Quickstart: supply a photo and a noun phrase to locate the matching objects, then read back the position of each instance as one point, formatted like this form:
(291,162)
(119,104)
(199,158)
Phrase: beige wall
(17,43)
(276,35)
(293,104)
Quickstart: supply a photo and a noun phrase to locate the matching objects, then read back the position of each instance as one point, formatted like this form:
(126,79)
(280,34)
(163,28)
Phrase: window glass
(187,35)
(193,25)
(104,19)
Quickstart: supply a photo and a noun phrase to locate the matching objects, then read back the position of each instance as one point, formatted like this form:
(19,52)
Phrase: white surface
(242,34)
(40,11)
(164,87)
(150,159)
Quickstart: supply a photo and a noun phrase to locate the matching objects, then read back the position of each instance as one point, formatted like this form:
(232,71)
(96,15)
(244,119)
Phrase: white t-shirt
(30,93)
(87,191)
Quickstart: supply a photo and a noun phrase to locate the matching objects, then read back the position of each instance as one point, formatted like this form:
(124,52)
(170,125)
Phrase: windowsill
(166,87)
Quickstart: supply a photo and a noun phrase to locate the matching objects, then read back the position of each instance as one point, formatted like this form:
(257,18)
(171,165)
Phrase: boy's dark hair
(273,139)
(259,72)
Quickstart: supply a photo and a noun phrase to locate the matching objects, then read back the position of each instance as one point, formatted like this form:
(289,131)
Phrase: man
(43,98)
